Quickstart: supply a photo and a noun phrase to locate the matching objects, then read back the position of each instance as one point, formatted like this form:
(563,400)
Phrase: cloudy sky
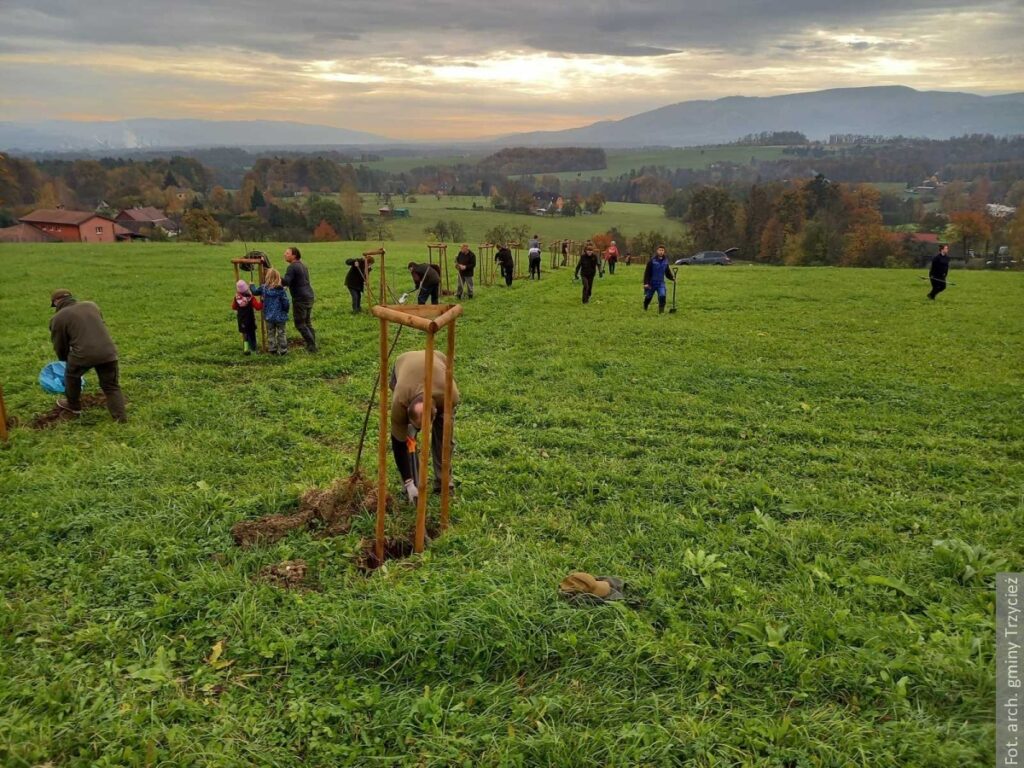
(442,69)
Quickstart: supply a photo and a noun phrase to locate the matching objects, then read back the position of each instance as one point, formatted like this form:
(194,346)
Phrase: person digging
(656,273)
(427,279)
(407,412)
(81,339)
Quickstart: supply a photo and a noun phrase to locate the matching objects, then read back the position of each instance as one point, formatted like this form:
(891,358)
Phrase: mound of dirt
(324,511)
(57,414)
(289,574)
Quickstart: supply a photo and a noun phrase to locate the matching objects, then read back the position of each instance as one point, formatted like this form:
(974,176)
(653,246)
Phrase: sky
(462,69)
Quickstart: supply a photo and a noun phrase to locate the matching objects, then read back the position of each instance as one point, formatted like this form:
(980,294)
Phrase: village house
(72,226)
(143,220)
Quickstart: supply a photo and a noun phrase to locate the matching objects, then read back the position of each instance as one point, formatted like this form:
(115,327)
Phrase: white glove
(412,491)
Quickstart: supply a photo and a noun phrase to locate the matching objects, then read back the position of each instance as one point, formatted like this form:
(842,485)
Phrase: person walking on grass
(408,410)
(355,280)
(427,278)
(565,253)
(506,262)
(296,280)
(586,269)
(81,340)
(938,271)
(611,255)
(656,273)
(465,264)
(244,305)
(534,257)
(275,311)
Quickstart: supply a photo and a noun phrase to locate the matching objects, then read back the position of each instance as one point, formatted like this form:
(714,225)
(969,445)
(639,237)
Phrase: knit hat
(242,287)
(60,293)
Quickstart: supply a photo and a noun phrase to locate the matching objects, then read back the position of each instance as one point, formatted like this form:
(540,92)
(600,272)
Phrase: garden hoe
(675,279)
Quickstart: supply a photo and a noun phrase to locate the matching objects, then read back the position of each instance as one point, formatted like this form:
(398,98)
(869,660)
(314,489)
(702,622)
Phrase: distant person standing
(506,263)
(565,253)
(355,280)
(656,273)
(427,279)
(81,339)
(586,269)
(938,271)
(296,280)
(534,256)
(611,255)
(465,263)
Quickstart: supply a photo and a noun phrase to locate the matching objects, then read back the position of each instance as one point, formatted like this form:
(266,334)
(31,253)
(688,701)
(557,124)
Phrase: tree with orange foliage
(970,227)
(325,233)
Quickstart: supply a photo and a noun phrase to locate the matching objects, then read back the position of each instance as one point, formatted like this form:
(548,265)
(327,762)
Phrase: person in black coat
(355,280)
(506,262)
(465,264)
(939,270)
(586,269)
(427,278)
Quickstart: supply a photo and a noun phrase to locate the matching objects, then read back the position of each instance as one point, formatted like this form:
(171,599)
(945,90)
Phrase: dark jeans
(107,374)
(506,272)
(535,268)
(303,323)
(611,266)
(938,286)
(588,287)
(429,293)
(357,298)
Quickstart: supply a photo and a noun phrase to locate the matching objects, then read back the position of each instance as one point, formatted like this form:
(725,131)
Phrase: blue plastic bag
(51,378)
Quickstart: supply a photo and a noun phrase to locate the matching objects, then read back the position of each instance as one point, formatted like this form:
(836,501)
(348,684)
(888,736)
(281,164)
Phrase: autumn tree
(199,226)
(712,218)
(970,227)
(325,233)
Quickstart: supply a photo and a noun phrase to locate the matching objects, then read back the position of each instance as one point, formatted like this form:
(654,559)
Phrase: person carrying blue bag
(655,275)
(81,339)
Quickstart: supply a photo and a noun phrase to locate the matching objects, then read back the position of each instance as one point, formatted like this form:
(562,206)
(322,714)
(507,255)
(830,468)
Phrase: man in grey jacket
(81,339)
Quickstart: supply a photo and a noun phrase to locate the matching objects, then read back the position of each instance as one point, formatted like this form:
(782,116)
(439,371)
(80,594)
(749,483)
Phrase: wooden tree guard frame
(429,318)
(377,253)
(442,263)
(555,250)
(262,273)
(486,263)
(517,273)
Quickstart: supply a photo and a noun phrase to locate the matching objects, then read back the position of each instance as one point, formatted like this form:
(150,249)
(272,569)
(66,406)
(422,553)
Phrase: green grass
(630,218)
(817,430)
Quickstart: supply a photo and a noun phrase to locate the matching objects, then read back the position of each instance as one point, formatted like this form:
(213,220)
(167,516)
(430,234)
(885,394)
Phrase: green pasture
(630,218)
(807,478)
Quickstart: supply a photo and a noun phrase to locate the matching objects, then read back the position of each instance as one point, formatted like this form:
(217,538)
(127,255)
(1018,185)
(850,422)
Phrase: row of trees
(819,221)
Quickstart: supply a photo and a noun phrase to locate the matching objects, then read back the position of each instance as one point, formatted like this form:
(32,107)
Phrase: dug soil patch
(289,574)
(57,414)
(324,511)
(394,549)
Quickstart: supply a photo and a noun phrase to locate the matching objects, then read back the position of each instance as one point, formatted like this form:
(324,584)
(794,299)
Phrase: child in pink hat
(246,306)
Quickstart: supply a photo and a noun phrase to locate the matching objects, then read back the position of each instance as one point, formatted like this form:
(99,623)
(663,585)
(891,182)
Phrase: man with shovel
(408,410)
(655,274)
(938,271)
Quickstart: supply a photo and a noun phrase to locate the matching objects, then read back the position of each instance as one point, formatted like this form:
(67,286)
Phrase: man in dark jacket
(656,273)
(506,263)
(427,278)
(355,280)
(939,270)
(465,263)
(586,269)
(81,339)
(296,280)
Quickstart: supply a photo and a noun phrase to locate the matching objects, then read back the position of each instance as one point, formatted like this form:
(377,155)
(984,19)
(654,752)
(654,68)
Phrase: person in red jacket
(611,256)
(246,305)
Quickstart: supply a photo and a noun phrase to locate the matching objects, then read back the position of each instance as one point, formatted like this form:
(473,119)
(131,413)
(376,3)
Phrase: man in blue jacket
(657,271)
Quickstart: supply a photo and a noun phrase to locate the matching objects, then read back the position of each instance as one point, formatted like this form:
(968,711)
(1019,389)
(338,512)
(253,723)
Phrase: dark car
(708,257)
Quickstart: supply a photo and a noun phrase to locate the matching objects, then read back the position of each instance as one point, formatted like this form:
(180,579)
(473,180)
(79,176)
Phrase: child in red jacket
(246,305)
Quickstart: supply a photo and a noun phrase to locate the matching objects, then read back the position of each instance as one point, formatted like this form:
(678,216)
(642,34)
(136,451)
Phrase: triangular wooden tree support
(429,318)
(442,264)
(262,273)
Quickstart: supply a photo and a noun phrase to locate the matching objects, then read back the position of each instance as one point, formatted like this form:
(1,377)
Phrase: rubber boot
(661,306)
(647,303)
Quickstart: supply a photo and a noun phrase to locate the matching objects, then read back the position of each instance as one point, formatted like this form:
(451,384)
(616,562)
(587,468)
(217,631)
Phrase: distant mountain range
(152,133)
(874,111)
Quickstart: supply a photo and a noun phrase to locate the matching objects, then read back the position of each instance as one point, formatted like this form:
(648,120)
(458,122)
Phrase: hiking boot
(436,487)
(64,405)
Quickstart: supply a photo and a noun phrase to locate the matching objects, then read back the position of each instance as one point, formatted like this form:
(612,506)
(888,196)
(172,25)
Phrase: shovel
(675,276)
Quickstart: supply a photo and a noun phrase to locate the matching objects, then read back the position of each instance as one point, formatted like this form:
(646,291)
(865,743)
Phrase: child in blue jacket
(657,272)
(275,311)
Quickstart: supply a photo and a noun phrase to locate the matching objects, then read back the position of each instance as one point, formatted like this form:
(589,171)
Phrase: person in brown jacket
(407,413)
(81,339)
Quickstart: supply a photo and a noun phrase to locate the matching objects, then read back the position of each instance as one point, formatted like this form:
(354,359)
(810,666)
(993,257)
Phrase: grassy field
(807,477)
(627,217)
(620,161)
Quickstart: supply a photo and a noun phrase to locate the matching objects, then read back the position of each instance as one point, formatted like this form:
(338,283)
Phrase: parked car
(709,257)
